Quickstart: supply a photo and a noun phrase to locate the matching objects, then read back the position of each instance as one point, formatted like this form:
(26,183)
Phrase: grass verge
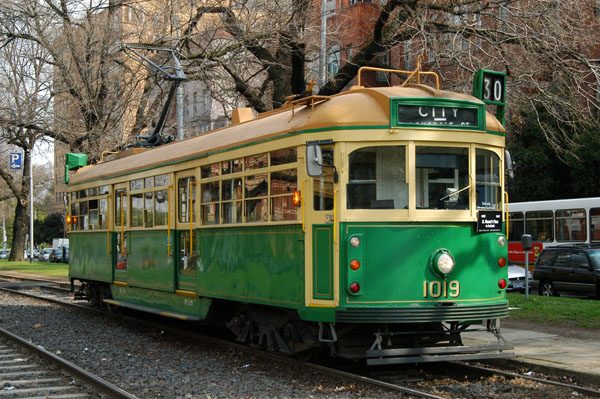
(45,268)
(579,312)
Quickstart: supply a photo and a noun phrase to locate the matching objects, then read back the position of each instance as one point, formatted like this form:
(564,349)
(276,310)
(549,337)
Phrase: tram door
(121,241)
(187,244)
(319,201)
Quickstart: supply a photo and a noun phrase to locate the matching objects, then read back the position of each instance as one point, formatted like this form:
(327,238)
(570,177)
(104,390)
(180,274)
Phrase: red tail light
(502,262)
(354,265)
(354,288)
(69,219)
(502,283)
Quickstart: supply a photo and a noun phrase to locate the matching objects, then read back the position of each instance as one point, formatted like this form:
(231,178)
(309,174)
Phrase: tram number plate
(441,289)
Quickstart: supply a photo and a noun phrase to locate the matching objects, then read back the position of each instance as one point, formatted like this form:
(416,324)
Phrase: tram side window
(442,178)
(540,225)
(595,224)
(377,178)
(210,203)
(323,185)
(571,225)
(283,185)
(161,207)
(186,188)
(121,207)
(487,189)
(516,226)
(232,200)
(137,210)
(256,201)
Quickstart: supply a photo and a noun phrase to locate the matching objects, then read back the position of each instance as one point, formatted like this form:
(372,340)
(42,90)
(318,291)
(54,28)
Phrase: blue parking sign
(16,160)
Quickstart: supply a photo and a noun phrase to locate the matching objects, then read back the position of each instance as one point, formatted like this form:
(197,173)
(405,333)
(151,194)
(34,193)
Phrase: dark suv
(573,269)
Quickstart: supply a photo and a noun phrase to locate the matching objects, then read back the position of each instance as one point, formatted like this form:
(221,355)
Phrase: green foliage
(51,227)
(555,310)
(540,174)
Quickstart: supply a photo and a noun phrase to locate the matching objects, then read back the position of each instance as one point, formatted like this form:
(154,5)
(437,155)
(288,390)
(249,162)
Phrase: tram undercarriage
(378,344)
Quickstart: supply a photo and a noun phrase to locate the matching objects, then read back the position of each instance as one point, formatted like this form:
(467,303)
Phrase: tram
(550,223)
(368,223)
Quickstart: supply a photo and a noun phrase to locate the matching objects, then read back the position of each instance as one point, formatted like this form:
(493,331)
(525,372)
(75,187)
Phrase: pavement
(549,352)
(543,351)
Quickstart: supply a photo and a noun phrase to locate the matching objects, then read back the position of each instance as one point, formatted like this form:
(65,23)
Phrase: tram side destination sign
(489,222)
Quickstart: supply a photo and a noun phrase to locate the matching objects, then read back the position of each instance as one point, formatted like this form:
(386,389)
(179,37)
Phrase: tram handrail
(108,224)
(169,220)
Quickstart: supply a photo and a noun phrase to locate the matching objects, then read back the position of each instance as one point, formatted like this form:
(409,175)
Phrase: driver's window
(442,177)
(323,185)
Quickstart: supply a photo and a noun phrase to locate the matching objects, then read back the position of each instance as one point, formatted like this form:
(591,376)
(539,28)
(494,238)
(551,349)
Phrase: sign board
(437,115)
(490,87)
(15,161)
(489,222)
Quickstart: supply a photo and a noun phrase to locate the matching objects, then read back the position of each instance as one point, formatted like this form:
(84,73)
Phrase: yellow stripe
(186,293)
(174,316)
(111,302)
(120,283)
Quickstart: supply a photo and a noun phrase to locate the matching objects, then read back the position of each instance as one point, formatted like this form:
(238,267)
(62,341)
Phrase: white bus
(552,222)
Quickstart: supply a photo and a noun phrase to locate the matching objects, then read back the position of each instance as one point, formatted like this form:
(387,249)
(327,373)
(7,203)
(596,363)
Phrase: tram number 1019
(441,289)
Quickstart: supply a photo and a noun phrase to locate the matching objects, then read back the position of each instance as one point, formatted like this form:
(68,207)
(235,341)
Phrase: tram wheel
(547,289)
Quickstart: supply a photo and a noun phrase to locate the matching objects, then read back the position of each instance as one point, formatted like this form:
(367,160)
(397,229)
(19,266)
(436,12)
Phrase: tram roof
(358,107)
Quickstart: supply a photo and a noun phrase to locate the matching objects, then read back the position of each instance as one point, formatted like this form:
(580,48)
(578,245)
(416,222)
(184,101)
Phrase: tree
(259,50)
(539,173)
(26,96)
(53,226)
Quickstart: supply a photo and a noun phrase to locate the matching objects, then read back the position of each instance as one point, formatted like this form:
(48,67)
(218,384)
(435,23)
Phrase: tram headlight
(445,263)
(442,262)
(355,241)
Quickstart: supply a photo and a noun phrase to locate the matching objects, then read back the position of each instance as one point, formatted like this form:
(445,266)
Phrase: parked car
(572,269)
(45,254)
(57,255)
(4,253)
(516,278)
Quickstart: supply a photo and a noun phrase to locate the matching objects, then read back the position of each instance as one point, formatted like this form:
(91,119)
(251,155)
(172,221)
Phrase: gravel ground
(153,364)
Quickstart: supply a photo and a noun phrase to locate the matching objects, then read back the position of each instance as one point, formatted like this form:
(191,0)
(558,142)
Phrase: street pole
(31,206)
(323,61)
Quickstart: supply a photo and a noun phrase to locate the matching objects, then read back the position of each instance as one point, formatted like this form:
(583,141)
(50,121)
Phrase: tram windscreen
(377,178)
(442,178)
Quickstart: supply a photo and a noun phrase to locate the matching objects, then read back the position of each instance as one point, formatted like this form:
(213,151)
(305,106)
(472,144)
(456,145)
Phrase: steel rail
(324,369)
(587,391)
(76,371)
(247,349)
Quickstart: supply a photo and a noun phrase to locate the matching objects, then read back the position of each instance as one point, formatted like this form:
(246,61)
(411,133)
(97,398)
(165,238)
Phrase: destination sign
(437,115)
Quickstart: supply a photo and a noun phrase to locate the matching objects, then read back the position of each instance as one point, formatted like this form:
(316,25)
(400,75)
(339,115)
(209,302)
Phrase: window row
(566,225)
(377,178)
(256,198)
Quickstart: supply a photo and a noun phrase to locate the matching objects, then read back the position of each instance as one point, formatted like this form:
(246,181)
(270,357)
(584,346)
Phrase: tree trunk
(19,233)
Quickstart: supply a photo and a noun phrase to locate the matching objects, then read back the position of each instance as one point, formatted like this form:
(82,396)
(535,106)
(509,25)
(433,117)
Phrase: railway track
(426,382)
(30,371)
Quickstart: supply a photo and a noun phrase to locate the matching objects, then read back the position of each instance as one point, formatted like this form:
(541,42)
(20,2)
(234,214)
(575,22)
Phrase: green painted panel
(323,261)
(253,264)
(148,262)
(89,258)
(395,265)
(165,301)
